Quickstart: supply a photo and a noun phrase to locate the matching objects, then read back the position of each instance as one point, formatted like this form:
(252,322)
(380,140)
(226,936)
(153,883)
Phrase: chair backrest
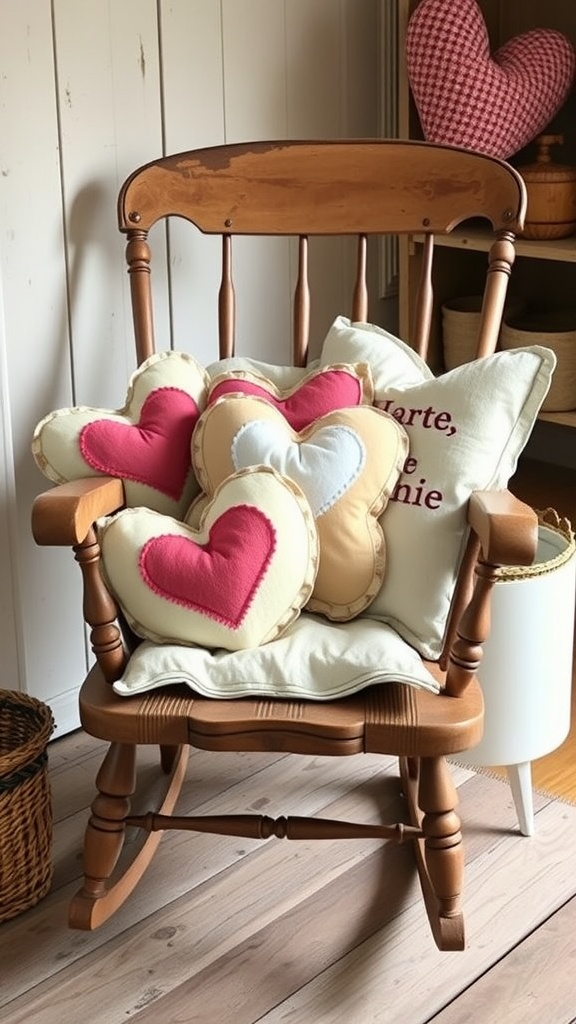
(301,189)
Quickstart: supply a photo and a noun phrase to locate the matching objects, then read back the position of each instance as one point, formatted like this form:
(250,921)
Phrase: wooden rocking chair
(301,189)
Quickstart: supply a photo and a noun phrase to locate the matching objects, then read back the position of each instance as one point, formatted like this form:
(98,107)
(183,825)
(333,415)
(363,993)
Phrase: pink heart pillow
(322,391)
(146,444)
(237,581)
(466,96)
(155,450)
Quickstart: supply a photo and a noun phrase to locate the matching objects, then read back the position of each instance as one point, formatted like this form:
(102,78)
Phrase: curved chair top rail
(381,187)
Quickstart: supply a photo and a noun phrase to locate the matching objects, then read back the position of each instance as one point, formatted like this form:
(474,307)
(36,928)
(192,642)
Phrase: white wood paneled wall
(90,89)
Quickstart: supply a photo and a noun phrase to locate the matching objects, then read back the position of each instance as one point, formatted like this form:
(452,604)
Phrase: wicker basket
(25,805)
(461,323)
(555,329)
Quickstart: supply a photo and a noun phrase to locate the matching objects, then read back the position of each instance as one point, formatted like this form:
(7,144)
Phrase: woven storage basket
(555,329)
(461,323)
(25,805)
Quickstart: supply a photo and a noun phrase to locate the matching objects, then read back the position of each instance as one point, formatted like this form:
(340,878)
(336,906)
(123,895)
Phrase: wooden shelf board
(562,250)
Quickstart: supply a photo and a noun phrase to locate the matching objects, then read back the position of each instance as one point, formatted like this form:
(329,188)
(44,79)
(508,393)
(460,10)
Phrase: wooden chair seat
(390,718)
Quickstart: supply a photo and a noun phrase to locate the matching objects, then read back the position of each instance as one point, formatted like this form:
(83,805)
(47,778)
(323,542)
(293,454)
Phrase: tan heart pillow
(346,463)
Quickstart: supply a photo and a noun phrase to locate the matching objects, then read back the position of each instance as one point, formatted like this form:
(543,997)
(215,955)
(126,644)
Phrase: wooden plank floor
(228,931)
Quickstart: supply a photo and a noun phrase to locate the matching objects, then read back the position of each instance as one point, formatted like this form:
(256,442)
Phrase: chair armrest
(506,527)
(65,514)
(504,532)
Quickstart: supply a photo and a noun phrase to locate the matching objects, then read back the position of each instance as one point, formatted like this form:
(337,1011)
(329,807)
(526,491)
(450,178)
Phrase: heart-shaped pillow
(321,391)
(236,582)
(466,96)
(346,463)
(146,443)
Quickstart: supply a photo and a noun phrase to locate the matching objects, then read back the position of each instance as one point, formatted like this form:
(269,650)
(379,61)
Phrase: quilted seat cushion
(314,660)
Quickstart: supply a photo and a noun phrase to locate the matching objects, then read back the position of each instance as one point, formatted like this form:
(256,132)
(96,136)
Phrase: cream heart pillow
(346,463)
(146,443)
(466,96)
(236,582)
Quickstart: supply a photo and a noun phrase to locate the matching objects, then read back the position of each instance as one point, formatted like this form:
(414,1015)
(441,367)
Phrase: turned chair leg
(443,842)
(101,895)
(443,852)
(105,832)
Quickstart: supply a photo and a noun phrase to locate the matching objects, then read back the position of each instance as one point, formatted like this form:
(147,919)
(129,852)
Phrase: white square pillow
(466,430)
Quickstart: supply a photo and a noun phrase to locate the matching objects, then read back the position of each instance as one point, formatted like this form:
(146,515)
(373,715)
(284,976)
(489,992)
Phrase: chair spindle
(424,300)
(301,305)
(360,296)
(226,302)
(138,257)
(100,611)
(500,260)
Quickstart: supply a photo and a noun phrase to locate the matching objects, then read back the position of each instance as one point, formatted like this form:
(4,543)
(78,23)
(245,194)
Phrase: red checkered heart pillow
(466,96)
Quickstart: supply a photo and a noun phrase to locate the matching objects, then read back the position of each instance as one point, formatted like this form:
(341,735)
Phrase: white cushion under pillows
(313,660)
(466,430)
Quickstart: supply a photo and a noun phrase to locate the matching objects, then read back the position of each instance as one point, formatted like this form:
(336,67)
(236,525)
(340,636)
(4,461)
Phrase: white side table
(526,671)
